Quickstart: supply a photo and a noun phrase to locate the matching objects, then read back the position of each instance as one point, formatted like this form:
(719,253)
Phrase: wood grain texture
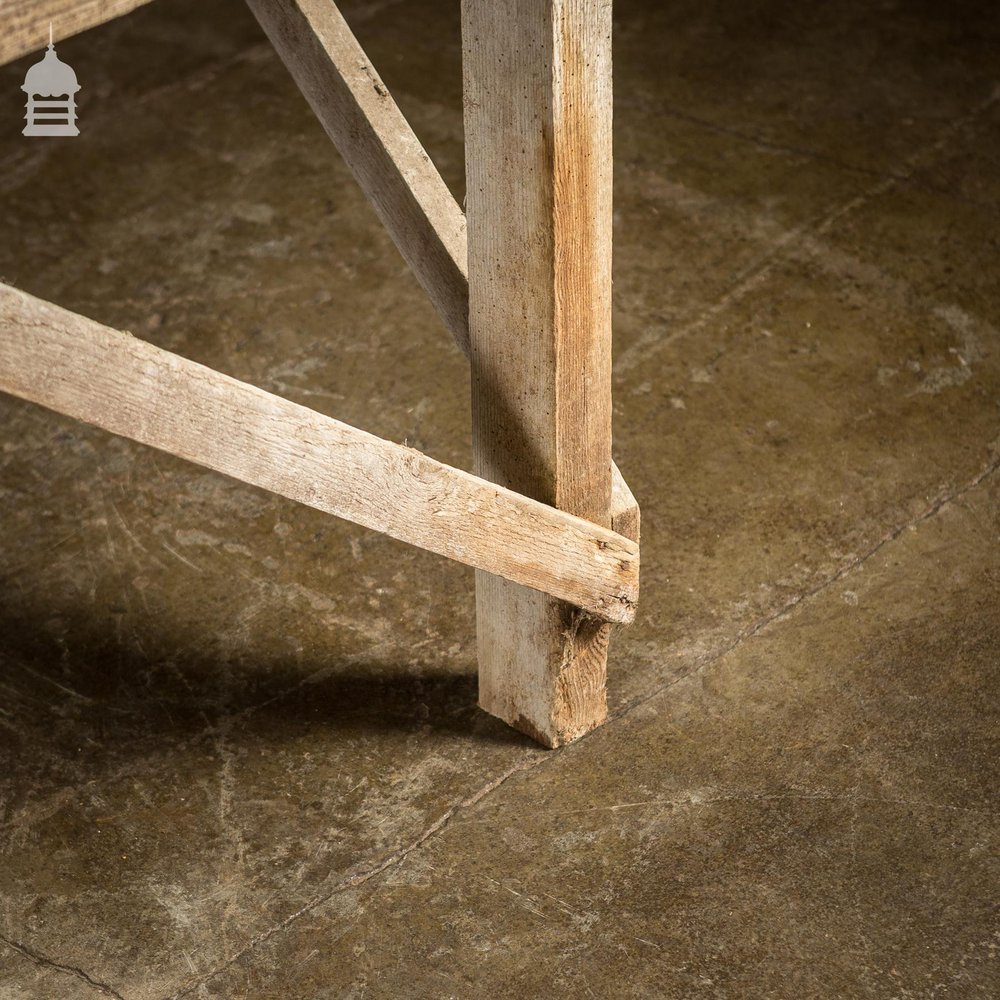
(82,369)
(378,145)
(24,24)
(537,77)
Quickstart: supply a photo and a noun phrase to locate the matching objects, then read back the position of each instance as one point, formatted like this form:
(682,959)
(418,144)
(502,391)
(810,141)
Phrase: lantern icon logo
(51,87)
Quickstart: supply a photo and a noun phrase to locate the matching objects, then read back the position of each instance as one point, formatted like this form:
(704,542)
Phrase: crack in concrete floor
(399,856)
(70,970)
(754,274)
(748,279)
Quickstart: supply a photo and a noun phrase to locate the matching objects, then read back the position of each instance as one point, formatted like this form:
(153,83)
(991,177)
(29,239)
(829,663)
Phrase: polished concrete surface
(240,755)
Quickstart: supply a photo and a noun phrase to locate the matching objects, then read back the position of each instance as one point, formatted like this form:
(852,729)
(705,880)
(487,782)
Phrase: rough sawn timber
(537,82)
(111,379)
(377,144)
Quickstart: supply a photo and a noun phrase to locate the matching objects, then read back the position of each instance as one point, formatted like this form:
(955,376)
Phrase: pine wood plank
(538,169)
(378,145)
(82,369)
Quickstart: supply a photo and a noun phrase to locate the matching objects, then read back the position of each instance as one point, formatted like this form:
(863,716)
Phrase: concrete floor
(240,751)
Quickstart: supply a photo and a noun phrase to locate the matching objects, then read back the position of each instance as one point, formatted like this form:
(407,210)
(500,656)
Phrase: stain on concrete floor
(240,750)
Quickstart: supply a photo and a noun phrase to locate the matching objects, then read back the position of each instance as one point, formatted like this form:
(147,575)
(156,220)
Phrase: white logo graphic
(51,78)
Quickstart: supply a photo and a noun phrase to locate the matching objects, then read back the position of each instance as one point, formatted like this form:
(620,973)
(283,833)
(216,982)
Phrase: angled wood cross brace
(548,521)
(77,367)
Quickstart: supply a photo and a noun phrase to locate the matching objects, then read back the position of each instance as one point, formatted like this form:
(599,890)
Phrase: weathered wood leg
(538,169)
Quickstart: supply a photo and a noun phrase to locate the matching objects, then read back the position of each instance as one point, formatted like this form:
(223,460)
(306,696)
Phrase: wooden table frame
(523,282)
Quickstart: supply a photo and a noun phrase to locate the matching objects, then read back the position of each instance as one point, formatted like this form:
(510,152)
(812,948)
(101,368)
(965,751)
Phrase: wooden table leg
(539,173)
